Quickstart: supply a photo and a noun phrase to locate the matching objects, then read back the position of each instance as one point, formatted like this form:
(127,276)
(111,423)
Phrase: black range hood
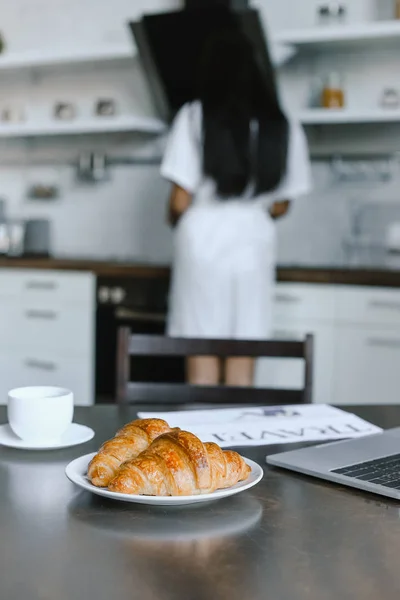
(170,45)
(233,4)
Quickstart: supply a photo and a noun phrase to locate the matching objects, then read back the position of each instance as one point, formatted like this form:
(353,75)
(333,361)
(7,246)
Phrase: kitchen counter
(340,274)
(103,268)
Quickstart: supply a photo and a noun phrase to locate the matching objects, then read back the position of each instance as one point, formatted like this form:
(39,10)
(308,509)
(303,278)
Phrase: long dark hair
(235,90)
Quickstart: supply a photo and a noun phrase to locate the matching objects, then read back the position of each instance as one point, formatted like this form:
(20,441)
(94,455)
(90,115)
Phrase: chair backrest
(151,345)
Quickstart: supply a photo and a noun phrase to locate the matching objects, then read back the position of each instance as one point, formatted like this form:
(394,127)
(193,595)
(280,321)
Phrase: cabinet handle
(46,315)
(132,315)
(288,298)
(43,365)
(388,304)
(41,285)
(383,343)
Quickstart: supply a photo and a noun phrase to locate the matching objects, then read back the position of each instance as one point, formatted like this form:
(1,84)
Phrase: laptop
(370,463)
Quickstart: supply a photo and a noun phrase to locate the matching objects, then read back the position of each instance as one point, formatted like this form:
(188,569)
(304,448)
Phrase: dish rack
(367,240)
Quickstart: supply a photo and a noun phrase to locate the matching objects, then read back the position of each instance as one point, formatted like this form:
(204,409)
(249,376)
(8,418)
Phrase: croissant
(128,443)
(179,464)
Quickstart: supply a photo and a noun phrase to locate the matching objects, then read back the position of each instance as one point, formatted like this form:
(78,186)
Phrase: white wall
(30,24)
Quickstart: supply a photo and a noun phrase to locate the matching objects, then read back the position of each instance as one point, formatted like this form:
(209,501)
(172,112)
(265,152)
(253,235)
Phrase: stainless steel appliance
(141,304)
(12,237)
(37,240)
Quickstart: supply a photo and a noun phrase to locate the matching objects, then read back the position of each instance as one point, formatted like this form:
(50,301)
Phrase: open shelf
(321,116)
(46,58)
(323,37)
(83,127)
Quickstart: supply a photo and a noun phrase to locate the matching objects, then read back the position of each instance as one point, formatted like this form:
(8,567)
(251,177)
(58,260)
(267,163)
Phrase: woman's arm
(179,202)
(279,209)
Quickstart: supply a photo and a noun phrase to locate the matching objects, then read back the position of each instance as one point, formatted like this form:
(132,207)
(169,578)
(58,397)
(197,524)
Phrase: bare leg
(239,372)
(203,370)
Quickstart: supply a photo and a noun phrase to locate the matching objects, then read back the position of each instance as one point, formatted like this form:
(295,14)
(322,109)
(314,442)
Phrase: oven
(140,304)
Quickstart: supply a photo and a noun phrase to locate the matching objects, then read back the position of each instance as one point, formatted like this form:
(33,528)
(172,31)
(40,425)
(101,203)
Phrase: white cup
(40,413)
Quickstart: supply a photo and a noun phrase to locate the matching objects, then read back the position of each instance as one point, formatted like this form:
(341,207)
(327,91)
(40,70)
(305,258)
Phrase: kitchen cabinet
(357,342)
(300,309)
(367,346)
(289,373)
(368,306)
(47,329)
(299,301)
(367,364)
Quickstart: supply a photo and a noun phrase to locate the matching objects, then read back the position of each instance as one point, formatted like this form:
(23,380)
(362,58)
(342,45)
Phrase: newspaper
(262,426)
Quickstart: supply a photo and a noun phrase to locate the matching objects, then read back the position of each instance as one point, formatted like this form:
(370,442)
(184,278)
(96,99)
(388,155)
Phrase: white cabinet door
(368,306)
(55,287)
(47,329)
(299,301)
(38,367)
(67,330)
(289,373)
(367,365)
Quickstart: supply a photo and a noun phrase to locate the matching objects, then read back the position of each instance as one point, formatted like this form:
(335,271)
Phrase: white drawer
(55,287)
(368,306)
(67,330)
(9,283)
(41,368)
(367,366)
(303,301)
(289,373)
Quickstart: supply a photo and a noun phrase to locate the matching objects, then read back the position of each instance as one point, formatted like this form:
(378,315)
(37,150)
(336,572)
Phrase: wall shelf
(32,60)
(83,127)
(321,116)
(363,35)
(10,61)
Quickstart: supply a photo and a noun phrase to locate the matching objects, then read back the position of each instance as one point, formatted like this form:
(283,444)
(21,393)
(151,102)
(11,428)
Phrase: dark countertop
(289,538)
(105,268)
(342,274)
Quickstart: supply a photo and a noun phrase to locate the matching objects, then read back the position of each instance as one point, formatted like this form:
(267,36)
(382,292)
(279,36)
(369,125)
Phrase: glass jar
(324,14)
(338,13)
(333,95)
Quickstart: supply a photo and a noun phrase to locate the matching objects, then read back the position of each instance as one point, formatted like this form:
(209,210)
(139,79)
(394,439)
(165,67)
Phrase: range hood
(232,4)
(170,45)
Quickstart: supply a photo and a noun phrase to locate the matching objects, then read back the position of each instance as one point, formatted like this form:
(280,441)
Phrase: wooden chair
(156,393)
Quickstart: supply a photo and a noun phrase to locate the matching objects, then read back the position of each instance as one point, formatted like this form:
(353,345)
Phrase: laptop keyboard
(382,471)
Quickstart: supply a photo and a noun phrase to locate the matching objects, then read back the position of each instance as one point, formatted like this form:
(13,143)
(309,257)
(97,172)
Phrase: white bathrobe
(224,250)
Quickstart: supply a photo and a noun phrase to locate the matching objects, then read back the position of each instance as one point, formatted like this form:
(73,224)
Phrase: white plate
(75,435)
(76,472)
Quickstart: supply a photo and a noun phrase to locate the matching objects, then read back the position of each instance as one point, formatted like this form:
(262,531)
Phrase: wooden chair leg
(309,368)
(123,363)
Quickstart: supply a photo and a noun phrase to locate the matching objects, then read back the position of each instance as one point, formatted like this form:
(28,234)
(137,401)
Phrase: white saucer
(75,435)
(76,472)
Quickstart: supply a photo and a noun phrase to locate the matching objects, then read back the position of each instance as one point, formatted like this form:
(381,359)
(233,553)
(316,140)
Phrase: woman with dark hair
(235,161)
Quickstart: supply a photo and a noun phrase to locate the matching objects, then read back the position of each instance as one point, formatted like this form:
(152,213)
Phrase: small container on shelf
(390,98)
(315,92)
(64,111)
(323,14)
(397,9)
(338,13)
(333,95)
(106,107)
(332,13)
(12,114)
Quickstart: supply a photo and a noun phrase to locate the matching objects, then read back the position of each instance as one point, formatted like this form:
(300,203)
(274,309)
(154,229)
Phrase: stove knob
(117,295)
(104,295)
